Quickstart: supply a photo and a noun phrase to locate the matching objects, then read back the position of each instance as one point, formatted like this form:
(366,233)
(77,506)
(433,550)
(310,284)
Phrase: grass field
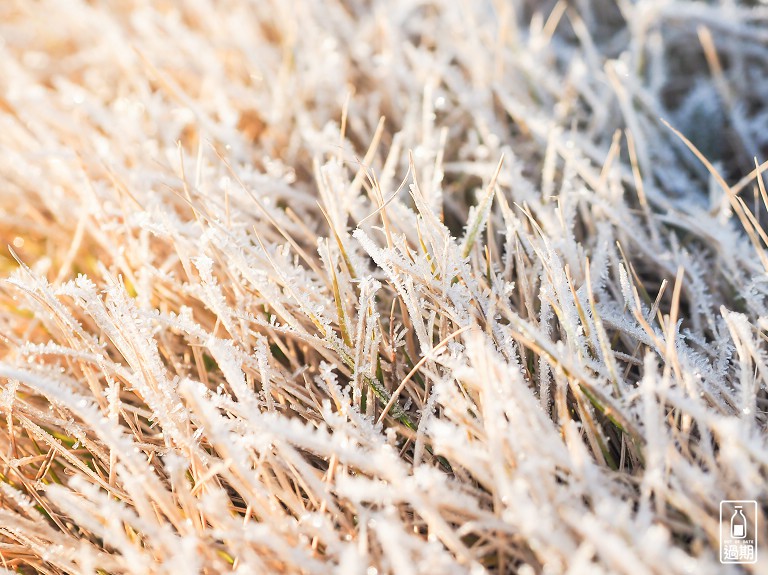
(370,287)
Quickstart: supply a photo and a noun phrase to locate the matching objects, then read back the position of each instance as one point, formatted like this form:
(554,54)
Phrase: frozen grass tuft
(381,287)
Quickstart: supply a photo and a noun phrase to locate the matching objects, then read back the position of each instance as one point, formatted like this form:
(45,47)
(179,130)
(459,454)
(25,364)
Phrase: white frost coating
(238,220)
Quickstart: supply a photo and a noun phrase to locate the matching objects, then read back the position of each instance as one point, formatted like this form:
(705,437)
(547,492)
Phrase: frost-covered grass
(381,287)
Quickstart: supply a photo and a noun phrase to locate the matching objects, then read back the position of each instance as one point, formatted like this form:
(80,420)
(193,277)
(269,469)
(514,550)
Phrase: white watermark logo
(738,531)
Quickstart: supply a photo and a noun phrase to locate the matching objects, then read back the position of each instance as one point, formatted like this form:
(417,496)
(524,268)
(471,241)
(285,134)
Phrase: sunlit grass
(328,287)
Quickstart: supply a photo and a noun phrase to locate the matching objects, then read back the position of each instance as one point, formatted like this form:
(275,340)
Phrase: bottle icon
(738,523)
